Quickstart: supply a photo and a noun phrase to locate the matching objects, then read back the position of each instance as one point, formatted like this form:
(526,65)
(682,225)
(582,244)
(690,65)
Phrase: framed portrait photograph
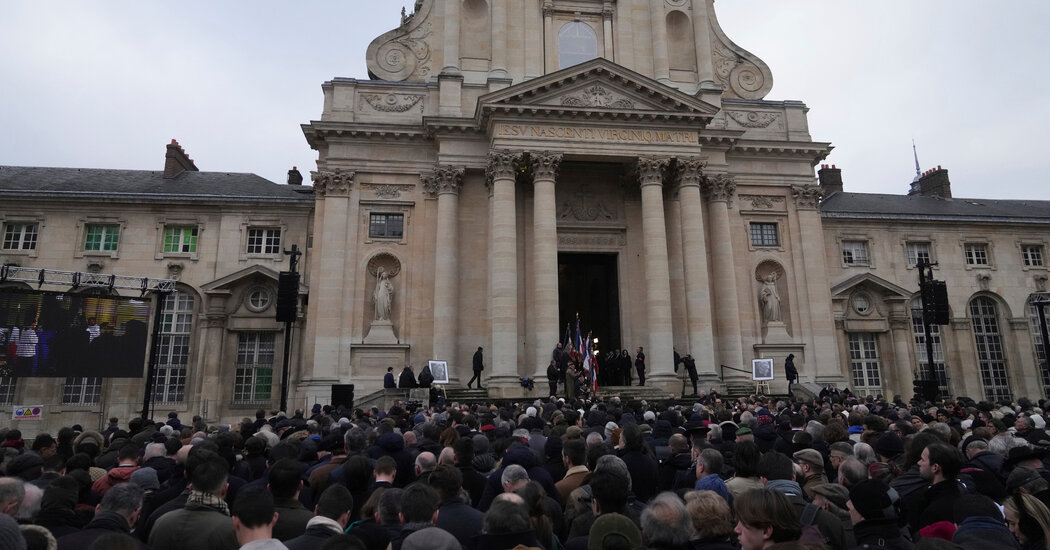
(440,371)
(761,369)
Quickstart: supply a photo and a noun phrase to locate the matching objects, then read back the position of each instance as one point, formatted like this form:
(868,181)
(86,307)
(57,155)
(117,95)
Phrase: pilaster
(720,189)
(445,183)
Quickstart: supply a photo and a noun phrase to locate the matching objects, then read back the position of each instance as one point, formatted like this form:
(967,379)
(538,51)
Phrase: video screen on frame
(48,334)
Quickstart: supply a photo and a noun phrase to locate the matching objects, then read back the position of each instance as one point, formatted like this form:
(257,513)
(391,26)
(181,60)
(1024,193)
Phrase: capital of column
(545,165)
(443,180)
(651,170)
(502,165)
(548,9)
(332,182)
(690,172)
(807,197)
(719,187)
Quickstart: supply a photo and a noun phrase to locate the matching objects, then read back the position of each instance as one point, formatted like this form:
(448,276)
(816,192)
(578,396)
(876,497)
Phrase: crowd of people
(709,472)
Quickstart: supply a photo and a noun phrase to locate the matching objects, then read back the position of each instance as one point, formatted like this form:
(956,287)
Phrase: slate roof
(917,207)
(144,185)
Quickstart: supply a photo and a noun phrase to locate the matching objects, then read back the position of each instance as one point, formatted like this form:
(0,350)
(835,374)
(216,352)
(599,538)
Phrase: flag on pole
(578,344)
(566,341)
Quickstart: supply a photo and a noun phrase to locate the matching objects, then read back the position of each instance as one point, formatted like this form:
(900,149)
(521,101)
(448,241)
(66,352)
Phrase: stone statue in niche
(769,298)
(383,296)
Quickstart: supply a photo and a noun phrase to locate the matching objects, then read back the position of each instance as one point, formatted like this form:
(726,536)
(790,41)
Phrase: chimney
(932,183)
(830,179)
(294,177)
(176,161)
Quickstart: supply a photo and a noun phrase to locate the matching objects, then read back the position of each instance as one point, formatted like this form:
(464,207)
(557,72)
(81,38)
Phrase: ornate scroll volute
(545,165)
(807,197)
(719,187)
(404,54)
(689,172)
(332,182)
(742,74)
(651,170)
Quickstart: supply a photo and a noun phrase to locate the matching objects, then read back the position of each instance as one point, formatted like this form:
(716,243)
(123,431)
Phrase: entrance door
(588,284)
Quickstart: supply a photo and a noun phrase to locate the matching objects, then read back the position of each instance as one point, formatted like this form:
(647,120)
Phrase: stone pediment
(237,278)
(598,89)
(884,287)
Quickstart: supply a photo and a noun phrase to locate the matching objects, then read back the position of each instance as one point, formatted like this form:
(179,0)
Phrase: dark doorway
(588,284)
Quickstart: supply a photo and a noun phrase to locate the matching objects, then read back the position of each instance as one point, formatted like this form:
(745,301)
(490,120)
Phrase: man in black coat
(690,368)
(479,365)
(116,514)
(639,365)
(455,515)
(333,513)
(407,378)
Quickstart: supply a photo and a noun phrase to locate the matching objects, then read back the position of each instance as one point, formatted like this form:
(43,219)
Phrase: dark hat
(809,456)
(833,492)
(613,524)
(1021,476)
(695,426)
(889,445)
(871,499)
(26,466)
(1024,452)
(316,408)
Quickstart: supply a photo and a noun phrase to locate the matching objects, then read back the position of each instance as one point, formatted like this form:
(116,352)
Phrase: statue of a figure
(383,296)
(769,299)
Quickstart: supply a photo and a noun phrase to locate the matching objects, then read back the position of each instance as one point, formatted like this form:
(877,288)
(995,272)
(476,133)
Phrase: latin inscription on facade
(605,135)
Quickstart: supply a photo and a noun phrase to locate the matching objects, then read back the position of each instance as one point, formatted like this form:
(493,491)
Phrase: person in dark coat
(875,523)
(939,465)
(639,365)
(478,366)
(426,378)
(790,370)
(407,378)
(388,379)
(552,377)
(524,457)
(645,472)
(690,369)
(455,515)
(333,513)
(116,514)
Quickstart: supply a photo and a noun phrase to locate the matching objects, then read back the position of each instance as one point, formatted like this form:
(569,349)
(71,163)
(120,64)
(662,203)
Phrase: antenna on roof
(918,171)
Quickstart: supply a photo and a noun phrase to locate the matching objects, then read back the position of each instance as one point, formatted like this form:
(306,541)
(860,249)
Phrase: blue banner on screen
(56,334)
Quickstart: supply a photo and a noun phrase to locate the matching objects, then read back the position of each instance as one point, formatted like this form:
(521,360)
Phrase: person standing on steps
(479,365)
(639,365)
(790,370)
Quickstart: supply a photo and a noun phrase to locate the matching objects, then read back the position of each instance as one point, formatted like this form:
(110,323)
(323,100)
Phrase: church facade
(511,167)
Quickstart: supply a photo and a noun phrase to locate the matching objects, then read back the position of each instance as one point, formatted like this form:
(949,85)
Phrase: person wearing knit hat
(889,445)
(613,527)
(873,517)
(10,535)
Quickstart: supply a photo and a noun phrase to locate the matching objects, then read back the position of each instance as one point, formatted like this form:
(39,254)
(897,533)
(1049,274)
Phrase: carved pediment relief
(598,87)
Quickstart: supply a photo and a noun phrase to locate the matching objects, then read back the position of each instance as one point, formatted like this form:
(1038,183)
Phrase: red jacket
(117,475)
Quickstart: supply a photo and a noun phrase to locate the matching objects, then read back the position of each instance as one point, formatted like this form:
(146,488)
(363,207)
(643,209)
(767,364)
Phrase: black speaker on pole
(343,396)
(935,297)
(287,296)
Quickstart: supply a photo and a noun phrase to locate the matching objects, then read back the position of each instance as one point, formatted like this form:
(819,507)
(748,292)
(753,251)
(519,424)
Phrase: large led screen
(56,334)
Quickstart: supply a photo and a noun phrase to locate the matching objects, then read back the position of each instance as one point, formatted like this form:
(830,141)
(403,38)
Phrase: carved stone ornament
(753,119)
(502,165)
(391,103)
(597,96)
(175,270)
(676,3)
(545,165)
(742,74)
(385,261)
(444,180)
(807,197)
(588,211)
(719,187)
(763,202)
(334,182)
(690,172)
(591,240)
(387,191)
(1040,281)
(651,170)
(95,266)
(404,54)
(984,280)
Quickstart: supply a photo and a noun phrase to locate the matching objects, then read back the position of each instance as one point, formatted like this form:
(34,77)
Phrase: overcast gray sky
(106,84)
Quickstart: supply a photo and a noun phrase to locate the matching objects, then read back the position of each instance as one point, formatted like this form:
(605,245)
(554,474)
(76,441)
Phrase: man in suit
(479,365)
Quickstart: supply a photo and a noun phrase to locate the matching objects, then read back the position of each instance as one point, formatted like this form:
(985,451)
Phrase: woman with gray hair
(665,522)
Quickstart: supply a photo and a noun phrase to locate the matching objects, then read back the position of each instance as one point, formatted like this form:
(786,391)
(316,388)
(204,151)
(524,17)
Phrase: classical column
(607,25)
(451,46)
(720,189)
(702,35)
(545,253)
(821,328)
(503,251)
(326,327)
(498,67)
(661,69)
(697,282)
(445,183)
(660,352)
(550,62)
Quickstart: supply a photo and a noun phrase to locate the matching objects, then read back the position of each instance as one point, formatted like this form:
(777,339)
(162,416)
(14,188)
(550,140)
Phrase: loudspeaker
(926,390)
(935,302)
(287,296)
(343,396)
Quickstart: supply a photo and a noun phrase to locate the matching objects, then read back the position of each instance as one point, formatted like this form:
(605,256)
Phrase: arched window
(920,348)
(1037,339)
(990,356)
(173,348)
(577,42)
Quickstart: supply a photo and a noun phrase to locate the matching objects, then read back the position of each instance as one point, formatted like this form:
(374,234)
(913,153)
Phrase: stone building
(511,165)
